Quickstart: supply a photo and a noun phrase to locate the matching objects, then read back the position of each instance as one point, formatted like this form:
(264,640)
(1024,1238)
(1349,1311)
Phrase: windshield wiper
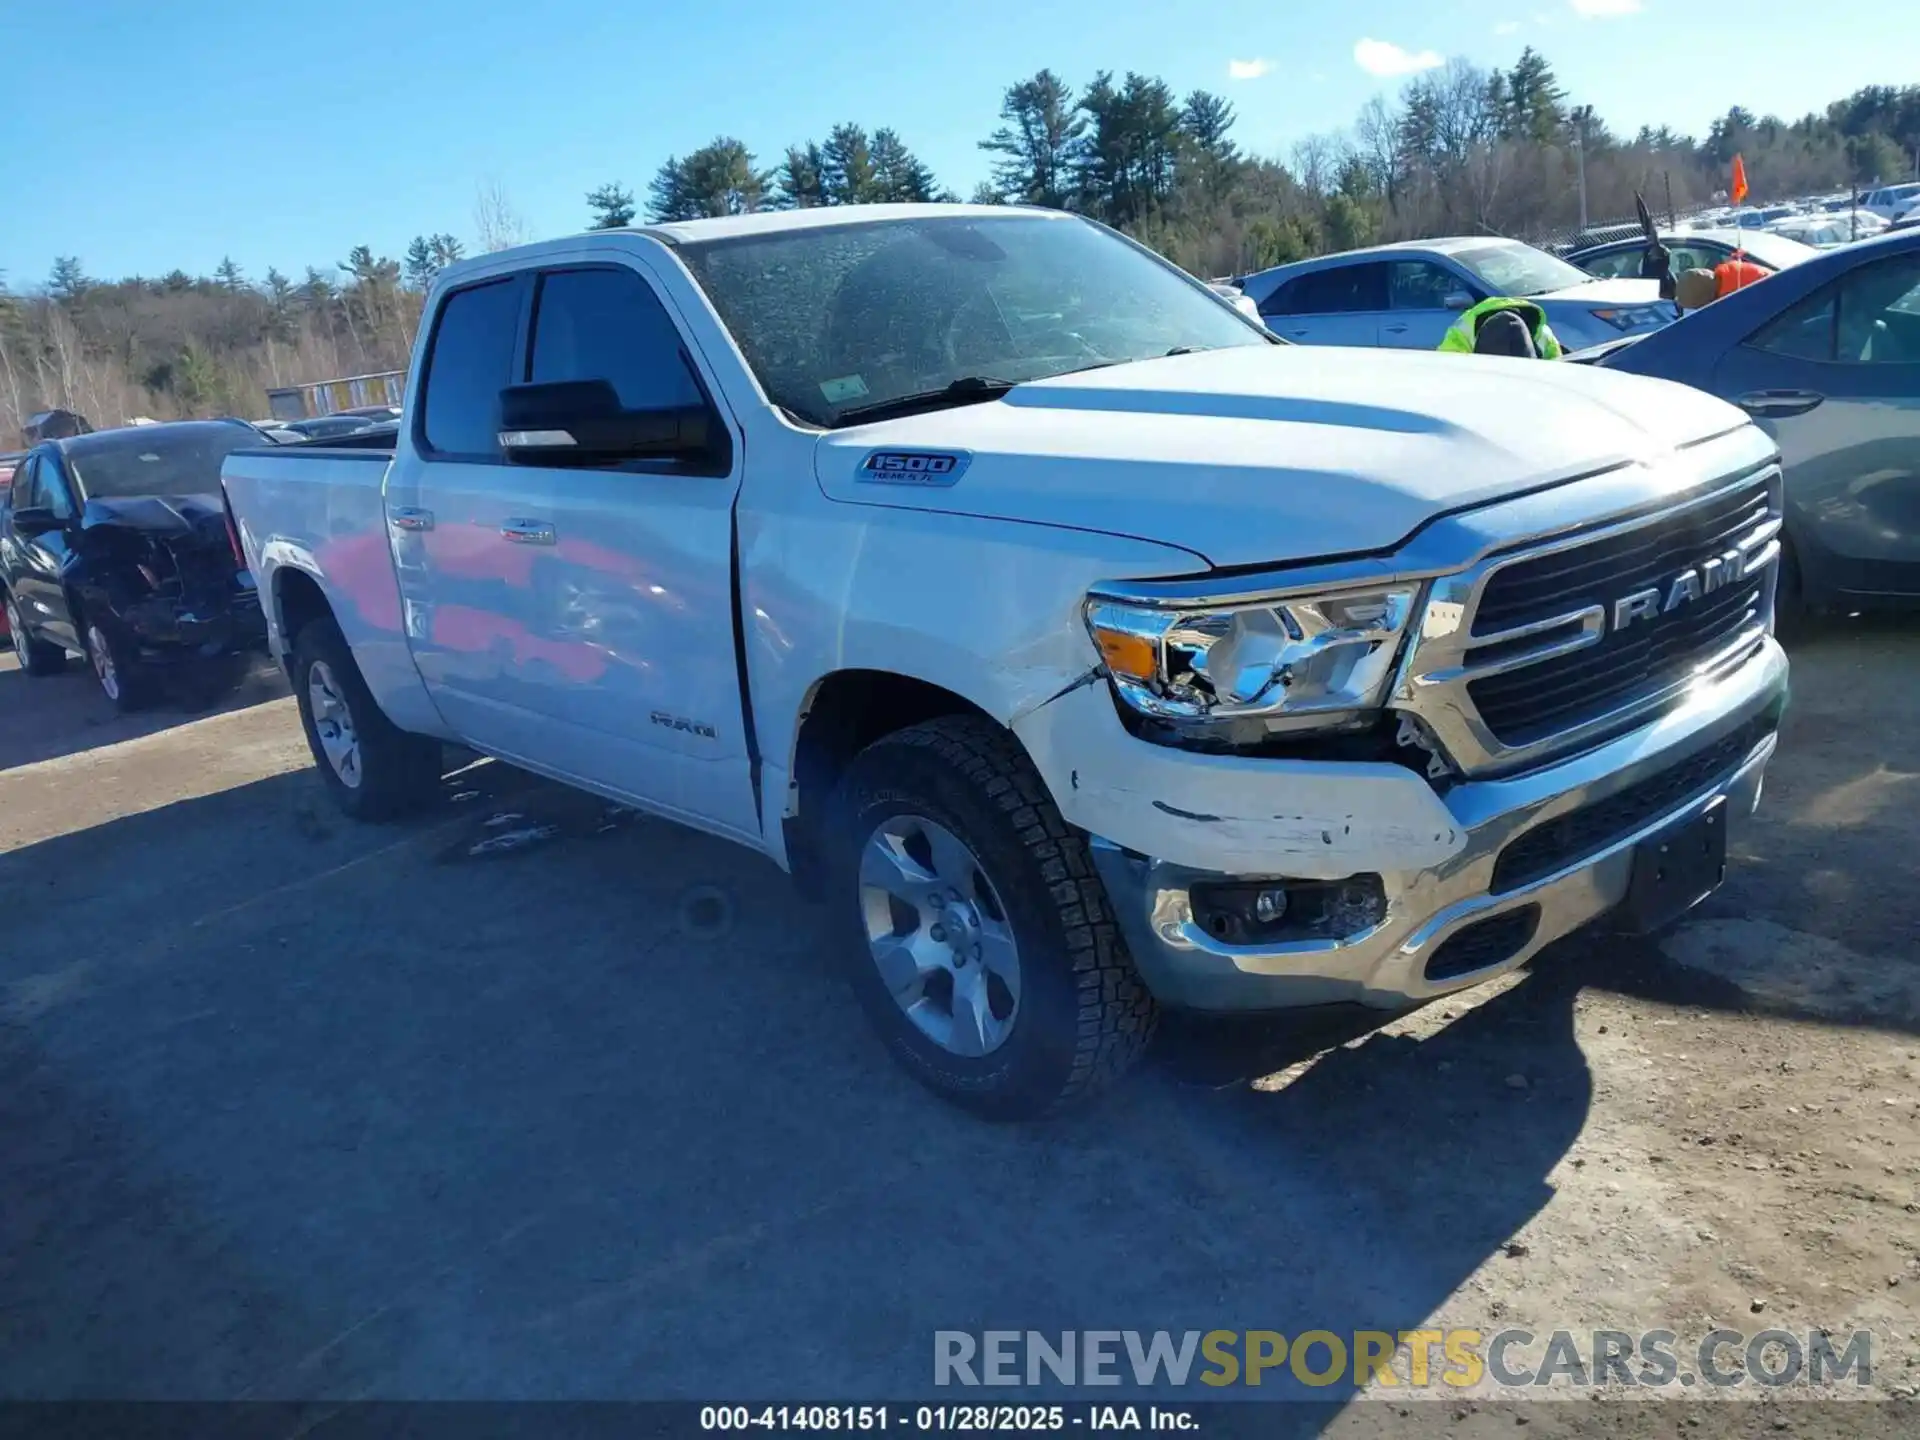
(967,390)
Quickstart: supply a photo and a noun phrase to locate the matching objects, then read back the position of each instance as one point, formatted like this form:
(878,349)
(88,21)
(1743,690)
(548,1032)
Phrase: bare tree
(1316,163)
(497,222)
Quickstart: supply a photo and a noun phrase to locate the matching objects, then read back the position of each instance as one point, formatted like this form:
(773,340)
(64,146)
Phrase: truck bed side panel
(322,513)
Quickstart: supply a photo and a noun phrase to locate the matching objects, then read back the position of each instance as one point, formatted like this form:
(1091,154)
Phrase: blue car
(1405,296)
(1825,356)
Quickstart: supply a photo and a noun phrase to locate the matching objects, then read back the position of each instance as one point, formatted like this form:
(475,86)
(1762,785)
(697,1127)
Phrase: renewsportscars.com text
(1414,1359)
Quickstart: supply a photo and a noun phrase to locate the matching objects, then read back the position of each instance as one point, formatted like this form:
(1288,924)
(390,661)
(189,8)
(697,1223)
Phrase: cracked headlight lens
(1327,656)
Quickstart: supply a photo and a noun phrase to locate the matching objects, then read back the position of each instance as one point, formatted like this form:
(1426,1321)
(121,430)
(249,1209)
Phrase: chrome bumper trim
(1385,966)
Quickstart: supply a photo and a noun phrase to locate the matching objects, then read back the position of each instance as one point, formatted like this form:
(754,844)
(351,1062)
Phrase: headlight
(1632,317)
(1325,657)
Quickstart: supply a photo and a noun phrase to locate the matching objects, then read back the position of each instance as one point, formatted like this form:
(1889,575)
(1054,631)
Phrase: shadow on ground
(47,716)
(404,1112)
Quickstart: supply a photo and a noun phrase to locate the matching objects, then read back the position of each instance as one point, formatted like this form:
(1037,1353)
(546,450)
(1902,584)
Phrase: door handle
(1395,329)
(410,517)
(527,532)
(1779,402)
(1304,329)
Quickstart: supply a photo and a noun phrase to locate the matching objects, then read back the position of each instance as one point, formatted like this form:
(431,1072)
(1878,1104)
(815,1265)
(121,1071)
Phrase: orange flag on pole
(1739,191)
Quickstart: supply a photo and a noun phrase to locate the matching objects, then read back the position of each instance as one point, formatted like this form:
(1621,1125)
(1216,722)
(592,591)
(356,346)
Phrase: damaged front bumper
(167,630)
(1461,887)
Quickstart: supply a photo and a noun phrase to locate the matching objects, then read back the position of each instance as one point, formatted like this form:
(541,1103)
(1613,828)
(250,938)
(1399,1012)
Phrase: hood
(1605,292)
(166,517)
(1264,455)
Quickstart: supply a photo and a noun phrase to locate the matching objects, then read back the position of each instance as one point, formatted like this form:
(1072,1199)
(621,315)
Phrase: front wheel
(980,939)
(373,769)
(122,678)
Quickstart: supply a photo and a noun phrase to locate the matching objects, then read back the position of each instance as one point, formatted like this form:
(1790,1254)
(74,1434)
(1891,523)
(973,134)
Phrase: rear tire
(1079,1014)
(373,769)
(37,657)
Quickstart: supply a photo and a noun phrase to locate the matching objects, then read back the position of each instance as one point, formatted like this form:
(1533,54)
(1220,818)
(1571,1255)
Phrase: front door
(37,564)
(1417,315)
(637,579)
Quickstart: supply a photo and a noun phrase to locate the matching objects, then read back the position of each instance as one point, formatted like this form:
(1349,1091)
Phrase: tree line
(1459,149)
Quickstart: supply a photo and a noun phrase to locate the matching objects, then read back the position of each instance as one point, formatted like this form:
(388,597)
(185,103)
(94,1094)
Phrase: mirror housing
(35,520)
(1457,300)
(582,422)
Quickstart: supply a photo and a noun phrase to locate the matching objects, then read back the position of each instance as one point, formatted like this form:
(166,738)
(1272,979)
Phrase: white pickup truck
(1085,647)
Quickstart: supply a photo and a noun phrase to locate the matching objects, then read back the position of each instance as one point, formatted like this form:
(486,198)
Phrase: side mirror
(1457,300)
(582,422)
(35,520)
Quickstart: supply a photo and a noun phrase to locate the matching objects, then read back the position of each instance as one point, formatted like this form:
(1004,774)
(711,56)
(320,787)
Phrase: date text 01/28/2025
(989,1419)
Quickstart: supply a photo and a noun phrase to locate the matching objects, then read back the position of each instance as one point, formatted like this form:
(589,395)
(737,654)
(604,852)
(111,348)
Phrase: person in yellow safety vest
(1462,337)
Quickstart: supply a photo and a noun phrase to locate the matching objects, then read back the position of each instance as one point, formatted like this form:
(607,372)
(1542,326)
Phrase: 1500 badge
(913,467)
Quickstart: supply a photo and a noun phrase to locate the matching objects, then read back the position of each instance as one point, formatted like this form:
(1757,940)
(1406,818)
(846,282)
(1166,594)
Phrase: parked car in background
(1823,232)
(1826,357)
(1688,250)
(330,427)
(114,545)
(1890,201)
(378,414)
(7,464)
(1405,296)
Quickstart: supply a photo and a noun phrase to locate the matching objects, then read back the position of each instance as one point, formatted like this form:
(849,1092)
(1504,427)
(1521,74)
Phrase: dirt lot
(482,1107)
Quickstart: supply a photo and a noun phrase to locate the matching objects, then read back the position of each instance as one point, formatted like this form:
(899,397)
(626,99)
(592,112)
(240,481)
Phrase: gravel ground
(484,1107)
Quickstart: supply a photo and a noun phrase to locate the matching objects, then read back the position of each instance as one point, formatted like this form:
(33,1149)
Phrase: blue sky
(144,137)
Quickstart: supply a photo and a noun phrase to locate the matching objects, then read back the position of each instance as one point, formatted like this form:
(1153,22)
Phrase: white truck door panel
(638,676)
(452,501)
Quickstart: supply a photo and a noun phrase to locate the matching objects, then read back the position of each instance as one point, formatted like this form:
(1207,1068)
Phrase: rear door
(454,508)
(1835,379)
(1335,305)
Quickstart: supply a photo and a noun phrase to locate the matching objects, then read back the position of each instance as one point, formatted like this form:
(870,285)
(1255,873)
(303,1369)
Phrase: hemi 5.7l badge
(913,467)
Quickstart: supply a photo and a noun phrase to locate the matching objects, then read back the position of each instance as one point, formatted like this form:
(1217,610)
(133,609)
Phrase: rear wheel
(373,769)
(978,932)
(37,657)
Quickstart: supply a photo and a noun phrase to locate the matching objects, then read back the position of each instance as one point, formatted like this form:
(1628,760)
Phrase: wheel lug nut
(937,934)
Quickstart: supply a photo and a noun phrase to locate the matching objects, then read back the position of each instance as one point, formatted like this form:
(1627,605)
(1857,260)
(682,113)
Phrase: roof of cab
(759,222)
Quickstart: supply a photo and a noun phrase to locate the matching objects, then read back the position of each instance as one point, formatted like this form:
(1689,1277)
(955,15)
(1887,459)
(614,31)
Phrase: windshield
(849,317)
(1514,270)
(156,460)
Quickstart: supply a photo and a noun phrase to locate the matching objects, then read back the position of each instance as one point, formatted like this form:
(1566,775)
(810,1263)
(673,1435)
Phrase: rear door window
(1341,290)
(469,363)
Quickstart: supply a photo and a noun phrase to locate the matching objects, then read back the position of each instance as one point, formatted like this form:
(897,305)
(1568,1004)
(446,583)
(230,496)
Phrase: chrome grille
(1540,648)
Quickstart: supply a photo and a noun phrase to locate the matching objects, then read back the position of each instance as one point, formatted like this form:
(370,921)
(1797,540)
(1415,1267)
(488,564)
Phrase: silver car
(1405,296)
(1826,358)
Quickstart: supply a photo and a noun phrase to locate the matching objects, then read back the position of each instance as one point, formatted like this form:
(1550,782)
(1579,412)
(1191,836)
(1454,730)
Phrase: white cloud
(1604,9)
(1247,69)
(1507,27)
(1383,57)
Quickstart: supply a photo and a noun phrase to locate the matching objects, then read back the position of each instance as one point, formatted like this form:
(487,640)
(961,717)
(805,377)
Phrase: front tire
(373,769)
(982,946)
(116,668)
(37,657)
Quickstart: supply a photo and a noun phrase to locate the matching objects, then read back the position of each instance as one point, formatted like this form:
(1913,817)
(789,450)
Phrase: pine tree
(1039,145)
(612,207)
(898,175)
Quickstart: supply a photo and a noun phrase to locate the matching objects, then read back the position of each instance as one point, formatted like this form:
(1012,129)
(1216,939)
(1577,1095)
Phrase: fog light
(1270,911)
